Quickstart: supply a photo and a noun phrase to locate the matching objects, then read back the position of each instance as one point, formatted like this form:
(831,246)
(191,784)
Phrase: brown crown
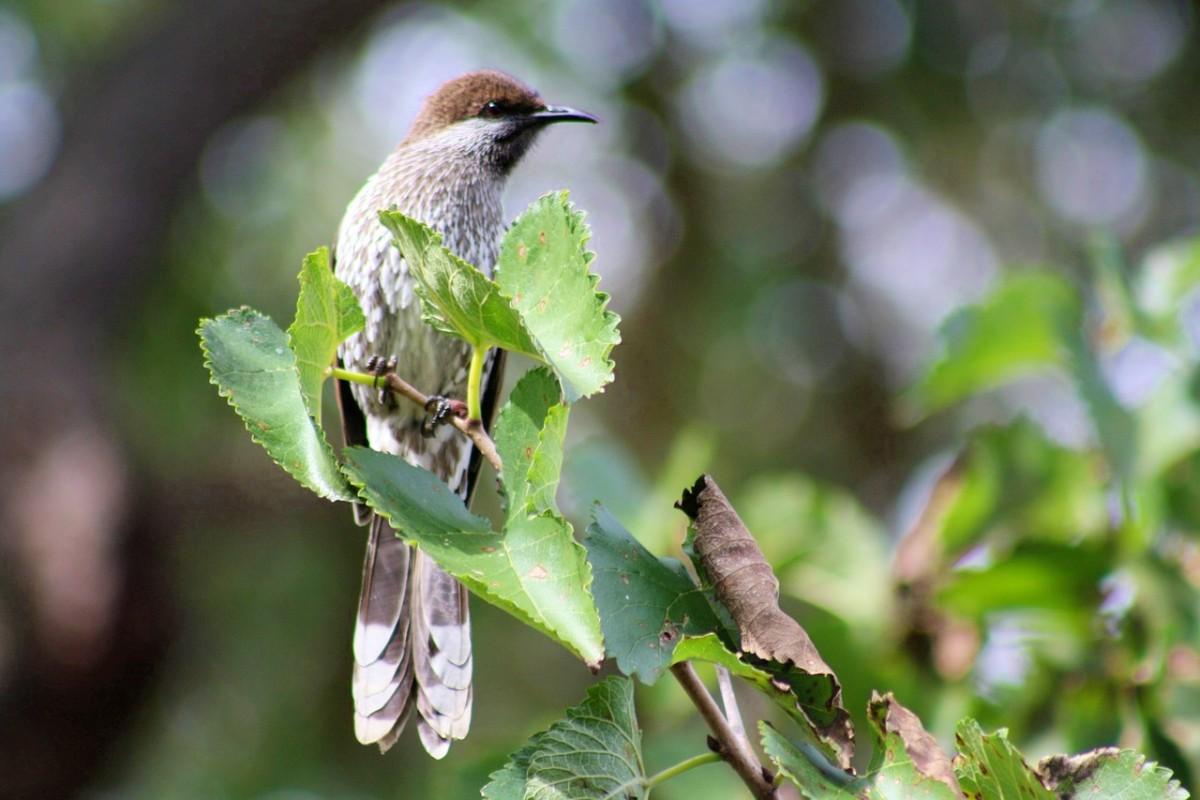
(463,97)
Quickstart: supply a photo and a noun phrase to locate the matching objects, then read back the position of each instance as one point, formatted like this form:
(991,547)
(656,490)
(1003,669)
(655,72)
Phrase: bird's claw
(380,366)
(438,410)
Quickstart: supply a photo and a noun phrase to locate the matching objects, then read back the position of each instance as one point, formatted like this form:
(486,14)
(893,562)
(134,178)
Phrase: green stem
(352,377)
(680,768)
(474,379)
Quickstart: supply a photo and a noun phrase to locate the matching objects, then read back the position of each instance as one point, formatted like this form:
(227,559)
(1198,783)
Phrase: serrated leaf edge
(609,334)
(329,493)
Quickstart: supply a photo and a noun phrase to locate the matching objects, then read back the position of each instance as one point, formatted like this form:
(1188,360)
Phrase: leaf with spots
(534,570)
(249,360)
(1109,772)
(456,298)
(647,604)
(327,313)
(594,752)
(989,766)
(529,437)
(544,269)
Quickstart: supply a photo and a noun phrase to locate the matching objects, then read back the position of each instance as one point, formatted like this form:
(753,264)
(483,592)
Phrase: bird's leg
(380,366)
(438,410)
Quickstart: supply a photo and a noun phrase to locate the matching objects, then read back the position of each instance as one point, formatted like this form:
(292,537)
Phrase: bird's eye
(492,108)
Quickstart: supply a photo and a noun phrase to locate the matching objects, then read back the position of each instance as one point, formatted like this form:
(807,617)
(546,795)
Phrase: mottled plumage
(412,639)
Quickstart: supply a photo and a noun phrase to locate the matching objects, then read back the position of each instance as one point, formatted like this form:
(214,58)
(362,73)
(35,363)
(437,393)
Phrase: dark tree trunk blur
(82,573)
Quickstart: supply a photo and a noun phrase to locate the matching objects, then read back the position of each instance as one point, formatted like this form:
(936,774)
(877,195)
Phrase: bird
(412,634)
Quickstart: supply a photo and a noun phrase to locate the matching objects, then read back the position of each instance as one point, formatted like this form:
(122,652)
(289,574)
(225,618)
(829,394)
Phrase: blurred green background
(788,199)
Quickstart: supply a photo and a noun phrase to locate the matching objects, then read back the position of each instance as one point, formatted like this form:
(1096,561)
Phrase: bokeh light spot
(750,110)
(1090,166)
(29,132)
(621,37)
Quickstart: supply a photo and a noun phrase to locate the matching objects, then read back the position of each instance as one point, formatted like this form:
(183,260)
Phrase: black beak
(561,114)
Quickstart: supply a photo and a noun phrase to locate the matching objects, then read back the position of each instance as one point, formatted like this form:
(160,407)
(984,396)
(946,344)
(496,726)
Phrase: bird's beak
(561,114)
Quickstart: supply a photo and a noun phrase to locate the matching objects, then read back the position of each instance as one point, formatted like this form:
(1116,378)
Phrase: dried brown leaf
(746,585)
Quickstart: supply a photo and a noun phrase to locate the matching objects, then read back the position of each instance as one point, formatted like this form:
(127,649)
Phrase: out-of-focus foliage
(1040,585)
(1070,566)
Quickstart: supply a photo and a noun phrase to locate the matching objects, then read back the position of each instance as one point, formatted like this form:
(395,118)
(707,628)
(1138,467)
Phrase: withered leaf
(889,719)
(746,585)
(1108,772)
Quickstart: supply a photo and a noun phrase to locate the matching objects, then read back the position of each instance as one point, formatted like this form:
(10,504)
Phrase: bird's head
(490,116)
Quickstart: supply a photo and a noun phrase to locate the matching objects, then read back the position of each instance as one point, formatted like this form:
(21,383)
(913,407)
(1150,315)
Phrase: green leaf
(543,267)
(327,314)
(646,604)
(1116,426)
(535,570)
(508,782)
(529,438)
(1042,575)
(795,765)
(456,298)
(1033,320)
(595,752)
(988,766)
(1015,476)
(1019,328)
(543,303)
(255,370)
(1109,772)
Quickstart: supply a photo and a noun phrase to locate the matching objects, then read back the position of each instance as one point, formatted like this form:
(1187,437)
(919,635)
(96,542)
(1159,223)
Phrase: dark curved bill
(562,114)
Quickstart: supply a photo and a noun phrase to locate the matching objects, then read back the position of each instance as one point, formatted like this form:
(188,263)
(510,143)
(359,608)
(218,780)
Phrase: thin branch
(734,749)
(473,429)
(730,704)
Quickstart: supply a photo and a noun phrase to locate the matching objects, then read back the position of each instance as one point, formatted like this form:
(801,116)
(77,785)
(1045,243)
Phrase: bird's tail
(412,647)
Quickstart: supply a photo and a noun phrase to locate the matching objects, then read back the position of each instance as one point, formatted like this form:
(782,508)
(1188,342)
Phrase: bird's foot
(438,410)
(380,366)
